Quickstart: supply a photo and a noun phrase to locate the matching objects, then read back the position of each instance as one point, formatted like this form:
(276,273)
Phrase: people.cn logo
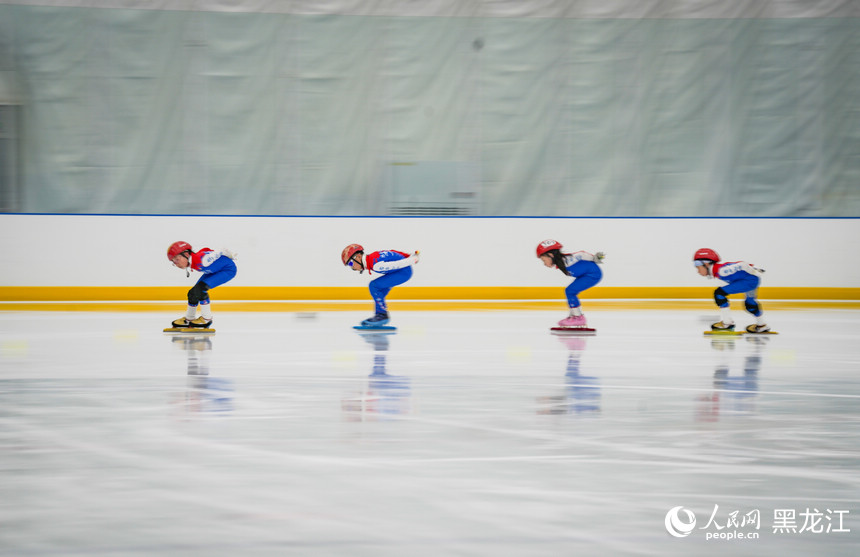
(678,527)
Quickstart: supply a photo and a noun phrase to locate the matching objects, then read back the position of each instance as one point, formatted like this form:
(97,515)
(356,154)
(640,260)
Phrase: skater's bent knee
(752,306)
(721,297)
(198,293)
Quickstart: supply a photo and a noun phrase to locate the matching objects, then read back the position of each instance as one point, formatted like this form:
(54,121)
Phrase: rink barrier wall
(121,258)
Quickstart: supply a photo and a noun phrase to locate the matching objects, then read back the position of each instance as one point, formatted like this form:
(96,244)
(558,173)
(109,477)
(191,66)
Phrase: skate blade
(372,332)
(376,328)
(762,333)
(187,330)
(725,333)
(582,331)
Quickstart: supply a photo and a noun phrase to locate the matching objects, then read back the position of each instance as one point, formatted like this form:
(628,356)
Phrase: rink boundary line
(305,306)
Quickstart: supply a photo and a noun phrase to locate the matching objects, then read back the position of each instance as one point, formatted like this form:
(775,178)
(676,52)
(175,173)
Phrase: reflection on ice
(736,382)
(385,395)
(205,394)
(581,391)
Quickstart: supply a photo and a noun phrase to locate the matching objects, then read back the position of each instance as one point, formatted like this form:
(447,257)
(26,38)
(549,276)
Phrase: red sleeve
(196,258)
(370,261)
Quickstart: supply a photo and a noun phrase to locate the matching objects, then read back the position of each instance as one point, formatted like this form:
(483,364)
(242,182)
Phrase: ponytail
(558,261)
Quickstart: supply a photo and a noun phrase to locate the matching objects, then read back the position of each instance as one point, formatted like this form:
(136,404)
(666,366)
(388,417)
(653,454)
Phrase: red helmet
(176,248)
(707,254)
(349,251)
(547,245)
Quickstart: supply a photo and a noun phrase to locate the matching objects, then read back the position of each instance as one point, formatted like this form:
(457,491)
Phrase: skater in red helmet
(580,265)
(742,277)
(217,267)
(394,267)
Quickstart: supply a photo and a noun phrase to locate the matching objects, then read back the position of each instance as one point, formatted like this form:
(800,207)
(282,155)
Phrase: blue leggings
(380,287)
(586,274)
(208,281)
(748,286)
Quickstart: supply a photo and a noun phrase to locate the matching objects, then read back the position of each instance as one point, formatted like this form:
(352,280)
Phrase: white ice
(463,433)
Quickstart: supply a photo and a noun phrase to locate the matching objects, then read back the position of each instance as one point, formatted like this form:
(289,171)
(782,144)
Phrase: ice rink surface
(462,433)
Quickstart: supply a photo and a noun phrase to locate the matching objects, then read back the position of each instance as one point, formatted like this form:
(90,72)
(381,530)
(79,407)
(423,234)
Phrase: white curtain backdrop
(616,108)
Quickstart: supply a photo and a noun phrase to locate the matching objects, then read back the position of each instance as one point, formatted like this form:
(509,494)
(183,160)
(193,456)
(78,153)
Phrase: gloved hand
(228,254)
(599,257)
(414,257)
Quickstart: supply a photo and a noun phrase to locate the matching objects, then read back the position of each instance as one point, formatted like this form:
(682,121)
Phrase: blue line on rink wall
(174,215)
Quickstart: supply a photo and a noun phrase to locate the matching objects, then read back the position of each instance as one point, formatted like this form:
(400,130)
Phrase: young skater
(217,268)
(742,277)
(580,265)
(394,267)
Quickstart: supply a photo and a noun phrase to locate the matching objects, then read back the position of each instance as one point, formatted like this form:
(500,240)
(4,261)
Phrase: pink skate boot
(573,321)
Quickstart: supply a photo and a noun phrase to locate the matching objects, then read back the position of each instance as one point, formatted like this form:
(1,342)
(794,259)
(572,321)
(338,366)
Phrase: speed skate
(374,328)
(581,331)
(198,325)
(190,330)
(724,332)
(732,333)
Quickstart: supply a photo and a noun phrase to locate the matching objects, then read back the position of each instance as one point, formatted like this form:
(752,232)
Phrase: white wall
(81,250)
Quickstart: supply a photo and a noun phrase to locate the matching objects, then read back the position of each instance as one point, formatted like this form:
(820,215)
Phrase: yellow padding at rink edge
(319,298)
